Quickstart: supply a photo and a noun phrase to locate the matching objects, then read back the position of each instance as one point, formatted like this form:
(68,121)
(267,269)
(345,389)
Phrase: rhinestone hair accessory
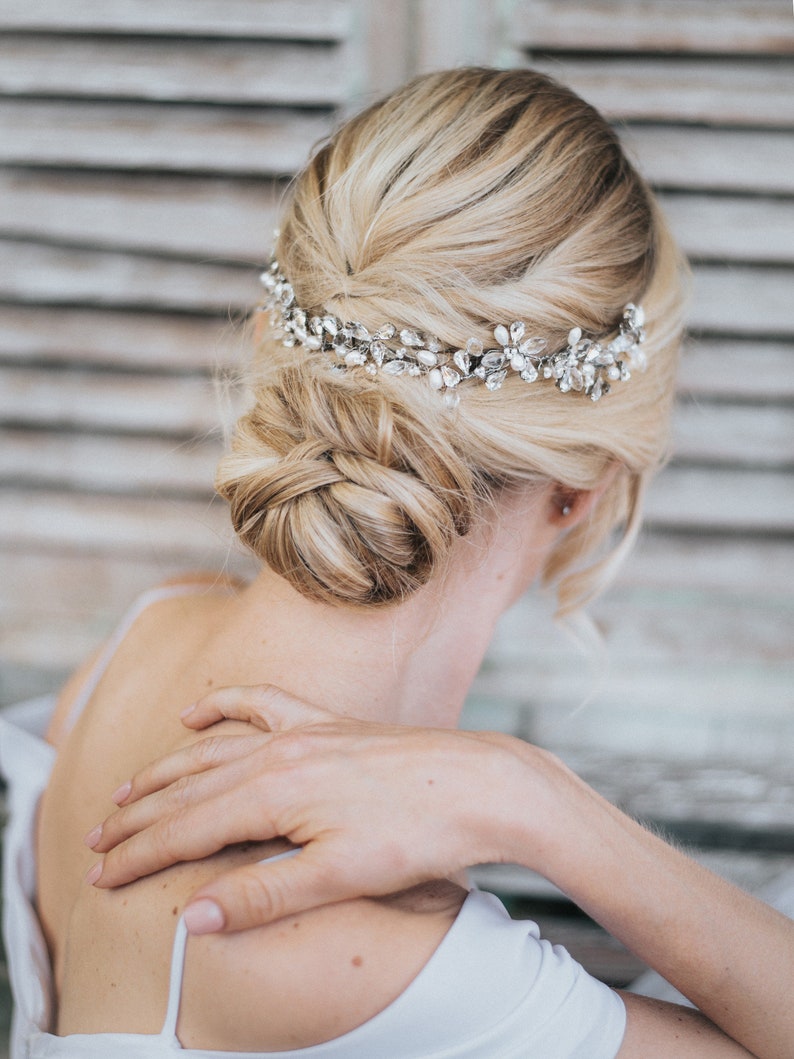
(583,366)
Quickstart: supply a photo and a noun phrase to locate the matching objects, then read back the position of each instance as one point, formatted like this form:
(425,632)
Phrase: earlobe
(570,506)
(565,500)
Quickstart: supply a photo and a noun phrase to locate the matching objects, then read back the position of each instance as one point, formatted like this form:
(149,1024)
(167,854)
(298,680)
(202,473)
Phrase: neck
(411,663)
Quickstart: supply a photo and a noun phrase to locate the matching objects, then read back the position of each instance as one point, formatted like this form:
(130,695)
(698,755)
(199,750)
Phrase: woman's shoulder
(452,976)
(143,616)
(311,977)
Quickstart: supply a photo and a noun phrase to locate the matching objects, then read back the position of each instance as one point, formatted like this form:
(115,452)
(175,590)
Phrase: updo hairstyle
(466,199)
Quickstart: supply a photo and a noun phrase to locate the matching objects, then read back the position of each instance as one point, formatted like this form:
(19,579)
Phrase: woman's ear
(567,506)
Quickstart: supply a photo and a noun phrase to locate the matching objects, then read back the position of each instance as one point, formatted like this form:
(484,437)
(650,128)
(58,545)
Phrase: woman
(448,402)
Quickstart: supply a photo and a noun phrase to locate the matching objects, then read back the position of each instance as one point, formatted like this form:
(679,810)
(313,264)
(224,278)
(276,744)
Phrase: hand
(329,784)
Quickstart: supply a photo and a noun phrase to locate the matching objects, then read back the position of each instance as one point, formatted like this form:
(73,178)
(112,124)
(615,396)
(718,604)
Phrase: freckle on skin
(295,926)
(173,911)
(357,961)
(430,783)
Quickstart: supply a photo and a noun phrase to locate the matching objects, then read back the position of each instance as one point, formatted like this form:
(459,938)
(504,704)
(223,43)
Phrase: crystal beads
(583,366)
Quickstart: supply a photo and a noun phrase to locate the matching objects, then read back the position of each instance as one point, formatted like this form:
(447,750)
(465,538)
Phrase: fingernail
(203,917)
(188,710)
(93,836)
(92,876)
(122,793)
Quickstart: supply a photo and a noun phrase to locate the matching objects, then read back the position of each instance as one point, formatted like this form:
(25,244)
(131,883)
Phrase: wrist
(522,804)
(551,821)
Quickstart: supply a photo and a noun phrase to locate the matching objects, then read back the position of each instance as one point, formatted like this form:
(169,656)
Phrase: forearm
(731,955)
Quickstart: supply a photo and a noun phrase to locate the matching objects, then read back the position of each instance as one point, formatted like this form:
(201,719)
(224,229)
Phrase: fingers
(185,792)
(198,830)
(189,760)
(261,893)
(263,705)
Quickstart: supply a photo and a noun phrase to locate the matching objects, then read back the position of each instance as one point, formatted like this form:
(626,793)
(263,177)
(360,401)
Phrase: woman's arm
(731,955)
(425,803)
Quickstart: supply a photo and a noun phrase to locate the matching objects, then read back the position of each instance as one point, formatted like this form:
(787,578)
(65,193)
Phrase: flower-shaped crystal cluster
(583,366)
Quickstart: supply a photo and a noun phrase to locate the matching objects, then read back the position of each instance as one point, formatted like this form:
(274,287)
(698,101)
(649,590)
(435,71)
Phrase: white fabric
(492,989)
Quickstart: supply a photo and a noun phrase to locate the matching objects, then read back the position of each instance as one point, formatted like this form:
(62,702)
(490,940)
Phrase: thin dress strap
(178,953)
(175,983)
(152,595)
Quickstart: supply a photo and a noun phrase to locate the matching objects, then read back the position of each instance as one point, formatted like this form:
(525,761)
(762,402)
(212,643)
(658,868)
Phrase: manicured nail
(92,876)
(122,793)
(93,836)
(187,710)
(203,917)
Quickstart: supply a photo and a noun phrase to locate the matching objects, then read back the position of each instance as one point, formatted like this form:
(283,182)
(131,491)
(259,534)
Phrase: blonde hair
(467,198)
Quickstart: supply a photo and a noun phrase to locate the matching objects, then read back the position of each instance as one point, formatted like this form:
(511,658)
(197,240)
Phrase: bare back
(336,966)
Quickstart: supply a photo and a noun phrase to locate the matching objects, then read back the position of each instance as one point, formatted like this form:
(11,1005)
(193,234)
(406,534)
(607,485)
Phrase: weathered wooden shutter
(144,149)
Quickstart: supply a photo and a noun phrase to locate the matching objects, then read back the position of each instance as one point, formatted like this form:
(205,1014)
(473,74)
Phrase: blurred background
(144,149)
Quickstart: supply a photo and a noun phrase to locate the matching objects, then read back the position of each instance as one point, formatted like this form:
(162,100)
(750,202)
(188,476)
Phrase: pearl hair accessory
(583,366)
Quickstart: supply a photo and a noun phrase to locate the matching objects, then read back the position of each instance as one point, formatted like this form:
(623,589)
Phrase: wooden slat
(106,463)
(662,626)
(713,159)
(729,500)
(216,218)
(447,33)
(32,273)
(716,91)
(741,300)
(135,341)
(731,708)
(104,401)
(726,566)
(163,70)
(173,138)
(291,19)
(746,436)
(733,229)
(752,26)
(129,526)
(730,368)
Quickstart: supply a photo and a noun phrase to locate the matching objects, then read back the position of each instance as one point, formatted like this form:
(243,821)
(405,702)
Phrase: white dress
(492,989)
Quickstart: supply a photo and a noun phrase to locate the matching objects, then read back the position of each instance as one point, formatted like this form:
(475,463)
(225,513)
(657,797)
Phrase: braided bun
(341,491)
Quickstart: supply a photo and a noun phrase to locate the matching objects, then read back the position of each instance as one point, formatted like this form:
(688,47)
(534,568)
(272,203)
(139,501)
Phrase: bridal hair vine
(583,366)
